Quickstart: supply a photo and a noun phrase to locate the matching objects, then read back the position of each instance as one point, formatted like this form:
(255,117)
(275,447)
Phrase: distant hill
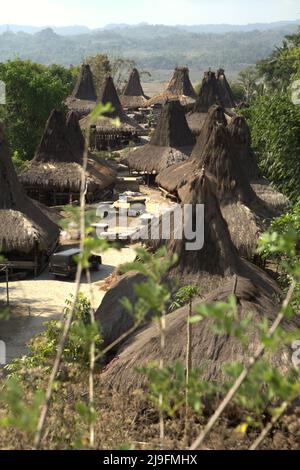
(64,30)
(228,28)
(157,48)
(205,28)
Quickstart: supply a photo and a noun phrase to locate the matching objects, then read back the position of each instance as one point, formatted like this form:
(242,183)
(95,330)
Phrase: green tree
(283,64)
(249,81)
(275,127)
(32,91)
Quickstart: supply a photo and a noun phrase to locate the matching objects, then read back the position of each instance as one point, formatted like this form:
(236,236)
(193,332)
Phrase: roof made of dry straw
(214,91)
(170,178)
(133,95)
(210,351)
(241,138)
(24,225)
(171,142)
(83,98)
(206,268)
(104,123)
(84,88)
(58,160)
(225,91)
(209,93)
(246,214)
(179,87)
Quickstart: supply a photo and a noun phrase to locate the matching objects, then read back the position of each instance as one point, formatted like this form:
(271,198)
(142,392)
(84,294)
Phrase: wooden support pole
(7,287)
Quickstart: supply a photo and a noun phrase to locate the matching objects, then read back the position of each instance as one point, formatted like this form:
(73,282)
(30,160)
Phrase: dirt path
(43,299)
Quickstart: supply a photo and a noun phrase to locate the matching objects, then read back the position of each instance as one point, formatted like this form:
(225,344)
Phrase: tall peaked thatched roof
(55,144)
(209,96)
(75,136)
(170,178)
(171,142)
(24,226)
(204,266)
(219,255)
(84,88)
(179,88)
(246,214)
(210,351)
(83,98)
(109,94)
(219,158)
(241,138)
(58,161)
(172,129)
(133,96)
(209,93)
(225,92)
(180,83)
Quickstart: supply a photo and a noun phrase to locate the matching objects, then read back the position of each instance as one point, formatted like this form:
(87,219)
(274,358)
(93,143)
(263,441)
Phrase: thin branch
(188,368)
(162,328)
(269,427)
(91,367)
(253,360)
(68,322)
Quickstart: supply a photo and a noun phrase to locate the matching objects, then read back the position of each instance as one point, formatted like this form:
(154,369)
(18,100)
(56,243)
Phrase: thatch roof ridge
(218,255)
(170,178)
(171,142)
(225,90)
(179,88)
(210,351)
(172,129)
(134,86)
(241,139)
(84,88)
(133,96)
(109,94)
(54,144)
(75,136)
(23,224)
(58,160)
(209,93)
(180,83)
(219,158)
(206,267)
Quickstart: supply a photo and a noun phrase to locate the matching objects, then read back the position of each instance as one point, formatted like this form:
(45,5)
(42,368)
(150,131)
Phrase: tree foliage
(32,91)
(275,126)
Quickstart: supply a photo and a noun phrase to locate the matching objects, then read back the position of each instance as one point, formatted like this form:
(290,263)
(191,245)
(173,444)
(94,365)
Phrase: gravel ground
(35,301)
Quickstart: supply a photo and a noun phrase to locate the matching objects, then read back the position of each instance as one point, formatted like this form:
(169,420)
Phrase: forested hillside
(152,47)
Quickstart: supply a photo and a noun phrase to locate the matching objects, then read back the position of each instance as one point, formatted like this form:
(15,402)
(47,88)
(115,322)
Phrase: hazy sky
(95,13)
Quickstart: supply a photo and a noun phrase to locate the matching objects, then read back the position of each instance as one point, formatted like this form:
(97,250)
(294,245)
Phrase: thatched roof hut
(105,133)
(54,175)
(170,178)
(25,228)
(172,142)
(83,98)
(206,268)
(241,138)
(225,92)
(179,88)
(246,214)
(133,96)
(210,94)
(210,351)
